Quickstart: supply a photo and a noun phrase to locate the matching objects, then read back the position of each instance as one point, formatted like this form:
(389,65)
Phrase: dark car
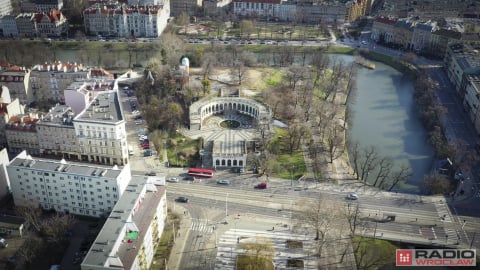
(182,199)
(138,117)
(151,174)
(262,185)
(147,153)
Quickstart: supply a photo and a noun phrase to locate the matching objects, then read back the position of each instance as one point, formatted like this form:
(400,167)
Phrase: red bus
(197,172)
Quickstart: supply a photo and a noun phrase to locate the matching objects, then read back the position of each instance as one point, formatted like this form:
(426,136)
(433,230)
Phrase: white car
(352,196)
(172,180)
(223,182)
(138,122)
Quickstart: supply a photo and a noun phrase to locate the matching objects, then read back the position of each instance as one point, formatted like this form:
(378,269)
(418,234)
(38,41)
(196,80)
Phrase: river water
(385,116)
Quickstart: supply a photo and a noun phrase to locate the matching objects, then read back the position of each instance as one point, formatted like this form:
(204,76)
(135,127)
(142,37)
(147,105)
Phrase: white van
(3,243)
(131,151)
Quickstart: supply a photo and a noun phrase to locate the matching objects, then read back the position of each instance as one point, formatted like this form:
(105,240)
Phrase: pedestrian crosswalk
(451,236)
(443,212)
(201,225)
(229,247)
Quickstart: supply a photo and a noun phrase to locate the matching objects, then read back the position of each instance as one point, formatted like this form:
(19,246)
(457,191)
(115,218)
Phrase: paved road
(411,215)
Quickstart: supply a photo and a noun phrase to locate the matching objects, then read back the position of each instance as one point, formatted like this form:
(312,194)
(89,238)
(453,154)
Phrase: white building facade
(64,187)
(8,26)
(100,130)
(132,232)
(126,21)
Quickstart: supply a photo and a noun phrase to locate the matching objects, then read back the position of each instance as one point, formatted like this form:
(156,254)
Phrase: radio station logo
(436,257)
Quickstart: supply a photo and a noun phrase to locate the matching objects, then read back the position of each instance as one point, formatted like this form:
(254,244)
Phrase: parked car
(172,180)
(352,196)
(145,145)
(151,174)
(138,122)
(147,153)
(223,182)
(138,117)
(262,185)
(3,243)
(182,199)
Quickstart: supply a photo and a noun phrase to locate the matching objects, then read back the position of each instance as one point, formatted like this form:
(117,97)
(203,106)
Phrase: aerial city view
(239,134)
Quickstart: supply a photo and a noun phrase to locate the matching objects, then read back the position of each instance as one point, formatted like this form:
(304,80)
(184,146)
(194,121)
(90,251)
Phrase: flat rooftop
(64,167)
(118,243)
(105,108)
(60,115)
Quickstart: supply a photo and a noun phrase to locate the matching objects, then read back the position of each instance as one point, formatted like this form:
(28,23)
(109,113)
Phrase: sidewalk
(181,236)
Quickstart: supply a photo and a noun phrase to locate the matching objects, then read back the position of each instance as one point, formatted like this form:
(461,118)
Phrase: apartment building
(383,30)
(4,180)
(48,80)
(8,109)
(422,35)
(45,6)
(215,7)
(8,26)
(257,8)
(191,7)
(126,21)
(66,187)
(17,79)
(440,40)
(403,32)
(100,130)
(132,232)
(56,134)
(5,7)
(25,25)
(461,60)
(20,132)
(51,24)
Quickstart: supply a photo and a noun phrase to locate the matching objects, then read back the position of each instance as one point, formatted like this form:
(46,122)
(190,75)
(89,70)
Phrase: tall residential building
(66,187)
(21,134)
(56,134)
(132,232)
(100,130)
(17,80)
(45,6)
(25,25)
(48,80)
(8,26)
(191,7)
(126,21)
(8,109)
(5,7)
(51,23)
(4,180)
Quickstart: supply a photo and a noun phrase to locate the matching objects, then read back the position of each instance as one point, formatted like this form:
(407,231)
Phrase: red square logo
(404,257)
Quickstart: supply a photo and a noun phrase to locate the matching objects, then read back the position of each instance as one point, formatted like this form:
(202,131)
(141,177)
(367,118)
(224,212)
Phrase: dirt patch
(294,244)
(295,263)
(253,83)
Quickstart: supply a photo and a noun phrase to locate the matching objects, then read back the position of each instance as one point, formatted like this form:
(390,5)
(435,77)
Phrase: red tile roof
(385,20)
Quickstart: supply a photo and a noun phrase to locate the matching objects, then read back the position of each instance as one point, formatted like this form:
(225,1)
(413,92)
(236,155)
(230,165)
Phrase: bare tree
(355,154)
(32,216)
(384,168)
(321,215)
(238,71)
(369,161)
(437,184)
(209,61)
(334,141)
(54,227)
(401,175)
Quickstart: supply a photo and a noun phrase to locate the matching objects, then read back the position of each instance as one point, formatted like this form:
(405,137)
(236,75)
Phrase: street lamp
(291,179)
(226,207)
